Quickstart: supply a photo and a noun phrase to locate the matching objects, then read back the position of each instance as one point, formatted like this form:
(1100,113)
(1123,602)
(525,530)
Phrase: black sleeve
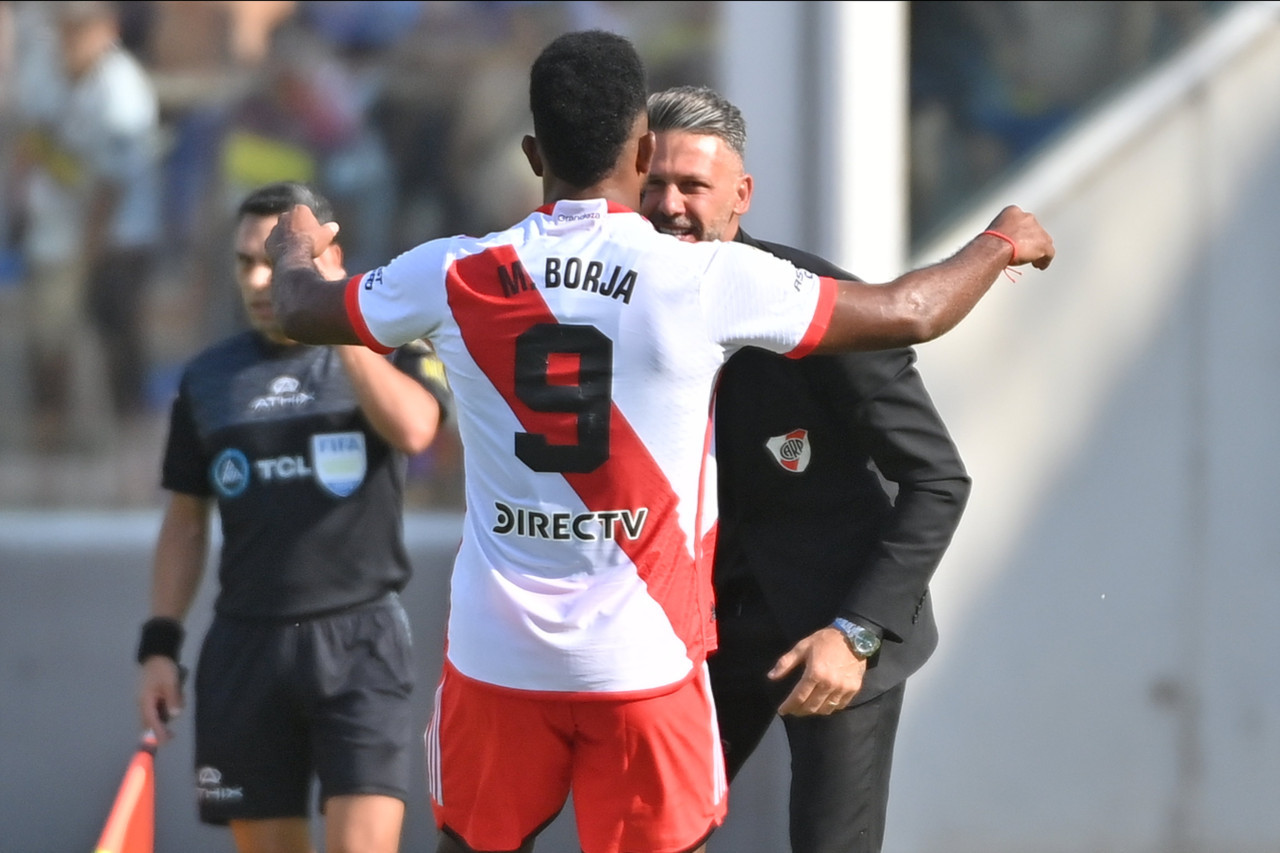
(804,260)
(882,398)
(186,467)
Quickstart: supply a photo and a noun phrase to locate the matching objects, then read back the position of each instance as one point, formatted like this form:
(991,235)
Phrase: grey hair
(701,110)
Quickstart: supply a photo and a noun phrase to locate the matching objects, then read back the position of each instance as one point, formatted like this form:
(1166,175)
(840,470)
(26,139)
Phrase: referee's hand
(160,695)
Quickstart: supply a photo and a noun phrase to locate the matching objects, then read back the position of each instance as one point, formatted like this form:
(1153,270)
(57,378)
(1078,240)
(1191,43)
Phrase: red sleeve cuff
(827,288)
(361,328)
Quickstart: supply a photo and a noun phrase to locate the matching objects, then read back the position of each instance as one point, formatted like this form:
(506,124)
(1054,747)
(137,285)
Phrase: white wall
(1106,679)
(823,89)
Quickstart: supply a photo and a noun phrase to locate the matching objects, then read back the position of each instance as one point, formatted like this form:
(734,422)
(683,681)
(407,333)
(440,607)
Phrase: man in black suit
(839,491)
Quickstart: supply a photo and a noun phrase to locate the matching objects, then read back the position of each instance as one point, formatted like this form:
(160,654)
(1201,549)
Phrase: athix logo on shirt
(609,524)
(209,787)
(791,450)
(283,391)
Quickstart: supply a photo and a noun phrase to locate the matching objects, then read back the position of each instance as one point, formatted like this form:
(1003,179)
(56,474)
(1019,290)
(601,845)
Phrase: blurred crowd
(130,131)
(993,82)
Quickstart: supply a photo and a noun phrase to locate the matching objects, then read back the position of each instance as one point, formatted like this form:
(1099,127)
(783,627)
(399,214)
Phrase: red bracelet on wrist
(1009,273)
(1007,239)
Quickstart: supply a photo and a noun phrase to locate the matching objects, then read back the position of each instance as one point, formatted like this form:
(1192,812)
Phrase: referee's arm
(177,568)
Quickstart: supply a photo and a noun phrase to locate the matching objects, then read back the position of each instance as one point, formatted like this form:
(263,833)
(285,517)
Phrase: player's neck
(615,191)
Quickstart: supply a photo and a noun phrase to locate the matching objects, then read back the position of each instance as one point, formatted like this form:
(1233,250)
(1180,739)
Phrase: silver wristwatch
(863,641)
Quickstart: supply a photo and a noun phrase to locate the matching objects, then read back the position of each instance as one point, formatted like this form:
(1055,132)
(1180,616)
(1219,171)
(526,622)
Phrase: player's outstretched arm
(308,306)
(923,304)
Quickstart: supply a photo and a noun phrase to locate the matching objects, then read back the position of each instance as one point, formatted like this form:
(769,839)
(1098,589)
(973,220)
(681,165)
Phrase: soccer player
(306,671)
(582,346)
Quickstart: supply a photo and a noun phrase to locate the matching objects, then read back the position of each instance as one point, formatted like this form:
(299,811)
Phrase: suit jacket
(839,490)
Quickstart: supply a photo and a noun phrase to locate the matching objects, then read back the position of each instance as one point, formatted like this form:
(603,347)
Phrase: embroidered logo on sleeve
(790,450)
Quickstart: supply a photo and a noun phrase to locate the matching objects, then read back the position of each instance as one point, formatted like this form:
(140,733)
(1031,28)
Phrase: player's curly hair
(275,199)
(586,89)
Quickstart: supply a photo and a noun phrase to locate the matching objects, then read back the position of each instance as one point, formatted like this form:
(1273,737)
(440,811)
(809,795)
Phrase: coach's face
(696,188)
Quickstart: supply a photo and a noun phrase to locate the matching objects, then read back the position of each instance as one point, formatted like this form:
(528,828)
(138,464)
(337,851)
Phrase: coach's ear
(531,153)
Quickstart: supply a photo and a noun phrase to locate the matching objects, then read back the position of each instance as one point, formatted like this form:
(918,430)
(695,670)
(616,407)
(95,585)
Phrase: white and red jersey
(582,347)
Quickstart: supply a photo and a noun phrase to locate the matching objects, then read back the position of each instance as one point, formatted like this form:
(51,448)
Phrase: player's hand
(831,677)
(299,237)
(1032,244)
(160,695)
(329,264)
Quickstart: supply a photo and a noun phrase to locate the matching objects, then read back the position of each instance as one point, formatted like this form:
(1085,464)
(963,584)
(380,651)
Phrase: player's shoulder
(440,254)
(676,251)
(799,257)
(426,252)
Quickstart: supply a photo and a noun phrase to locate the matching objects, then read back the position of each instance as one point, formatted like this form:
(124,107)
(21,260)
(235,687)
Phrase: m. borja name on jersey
(566,526)
(573,274)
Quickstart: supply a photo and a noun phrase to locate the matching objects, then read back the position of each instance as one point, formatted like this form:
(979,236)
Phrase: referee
(306,671)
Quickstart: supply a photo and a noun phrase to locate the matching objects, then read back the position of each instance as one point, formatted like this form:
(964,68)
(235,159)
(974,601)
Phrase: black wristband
(160,636)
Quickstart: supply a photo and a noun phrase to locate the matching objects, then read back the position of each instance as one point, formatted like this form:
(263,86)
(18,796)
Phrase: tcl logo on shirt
(791,450)
(339,462)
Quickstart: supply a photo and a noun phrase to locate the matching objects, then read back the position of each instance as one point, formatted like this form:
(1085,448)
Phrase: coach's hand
(832,674)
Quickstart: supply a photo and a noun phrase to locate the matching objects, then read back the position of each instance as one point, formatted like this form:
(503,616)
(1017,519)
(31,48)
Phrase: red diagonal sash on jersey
(490,321)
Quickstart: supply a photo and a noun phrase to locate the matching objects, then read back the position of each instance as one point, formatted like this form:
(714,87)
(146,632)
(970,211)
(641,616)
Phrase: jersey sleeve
(185,467)
(751,298)
(401,301)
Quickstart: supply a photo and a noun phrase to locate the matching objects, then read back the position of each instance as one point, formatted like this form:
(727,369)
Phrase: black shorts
(280,704)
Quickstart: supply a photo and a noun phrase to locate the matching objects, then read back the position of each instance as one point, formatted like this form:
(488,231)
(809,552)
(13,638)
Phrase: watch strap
(862,640)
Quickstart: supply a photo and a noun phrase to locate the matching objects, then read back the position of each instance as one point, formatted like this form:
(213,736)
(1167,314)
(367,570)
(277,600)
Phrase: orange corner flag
(131,826)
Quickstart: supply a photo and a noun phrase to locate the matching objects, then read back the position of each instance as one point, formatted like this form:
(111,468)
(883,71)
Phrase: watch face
(862,641)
